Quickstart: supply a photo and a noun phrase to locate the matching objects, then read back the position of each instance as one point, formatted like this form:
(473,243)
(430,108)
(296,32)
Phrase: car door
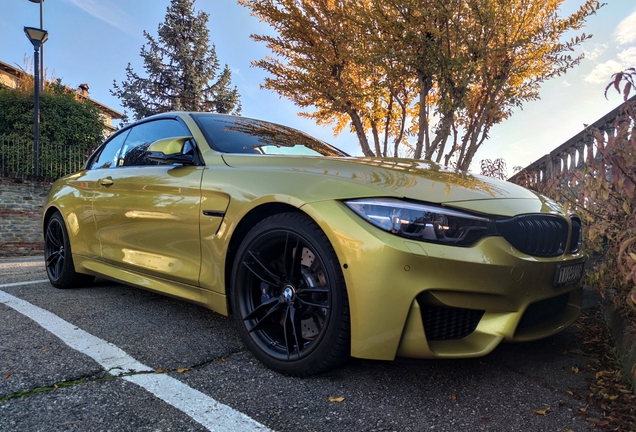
(147,214)
(81,218)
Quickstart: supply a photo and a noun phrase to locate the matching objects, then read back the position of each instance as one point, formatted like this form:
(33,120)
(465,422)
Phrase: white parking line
(213,415)
(23,283)
(112,358)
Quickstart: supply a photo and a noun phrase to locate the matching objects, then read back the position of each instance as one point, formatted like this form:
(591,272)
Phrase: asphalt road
(67,390)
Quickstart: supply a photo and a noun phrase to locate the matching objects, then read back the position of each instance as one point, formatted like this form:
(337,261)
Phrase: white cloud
(603,72)
(596,52)
(626,30)
(566,84)
(106,11)
(628,57)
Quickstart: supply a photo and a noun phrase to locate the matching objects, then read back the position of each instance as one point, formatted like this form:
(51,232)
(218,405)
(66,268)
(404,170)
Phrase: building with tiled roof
(11,76)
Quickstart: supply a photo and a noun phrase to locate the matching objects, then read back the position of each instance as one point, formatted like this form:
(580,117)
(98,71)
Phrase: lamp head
(36,36)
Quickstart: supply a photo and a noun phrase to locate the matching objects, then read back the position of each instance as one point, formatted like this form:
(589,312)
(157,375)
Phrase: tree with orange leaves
(424,78)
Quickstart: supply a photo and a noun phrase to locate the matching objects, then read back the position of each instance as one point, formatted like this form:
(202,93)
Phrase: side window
(107,157)
(133,153)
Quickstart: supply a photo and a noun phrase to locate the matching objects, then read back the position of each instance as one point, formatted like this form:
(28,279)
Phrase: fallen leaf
(542,412)
(570,393)
(584,408)
(44,350)
(162,371)
(575,369)
(338,399)
(182,370)
(8,374)
(453,397)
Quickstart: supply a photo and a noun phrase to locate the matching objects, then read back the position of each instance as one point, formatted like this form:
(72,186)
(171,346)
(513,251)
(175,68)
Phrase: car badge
(288,293)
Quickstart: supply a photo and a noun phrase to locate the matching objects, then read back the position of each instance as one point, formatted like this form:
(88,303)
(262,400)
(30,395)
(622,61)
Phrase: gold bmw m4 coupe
(318,256)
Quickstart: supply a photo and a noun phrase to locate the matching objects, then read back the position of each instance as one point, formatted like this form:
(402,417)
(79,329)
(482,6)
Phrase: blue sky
(92,41)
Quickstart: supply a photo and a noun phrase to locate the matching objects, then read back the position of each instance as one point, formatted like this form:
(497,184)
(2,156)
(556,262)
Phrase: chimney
(83,89)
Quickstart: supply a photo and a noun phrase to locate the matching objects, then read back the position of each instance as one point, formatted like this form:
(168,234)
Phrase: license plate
(568,274)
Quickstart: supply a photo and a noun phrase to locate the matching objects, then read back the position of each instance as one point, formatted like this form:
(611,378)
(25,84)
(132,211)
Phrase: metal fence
(56,160)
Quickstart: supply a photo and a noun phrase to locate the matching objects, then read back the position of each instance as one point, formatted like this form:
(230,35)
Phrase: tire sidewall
(57,218)
(68,277)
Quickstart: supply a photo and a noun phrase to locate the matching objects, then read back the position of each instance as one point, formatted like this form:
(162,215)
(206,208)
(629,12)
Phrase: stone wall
(21,205)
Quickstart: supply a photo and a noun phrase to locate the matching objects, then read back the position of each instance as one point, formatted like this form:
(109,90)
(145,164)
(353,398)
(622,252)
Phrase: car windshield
(231,134)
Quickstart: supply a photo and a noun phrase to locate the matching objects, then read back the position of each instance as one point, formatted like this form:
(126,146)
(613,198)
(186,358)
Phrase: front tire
(289,298)
(58,258)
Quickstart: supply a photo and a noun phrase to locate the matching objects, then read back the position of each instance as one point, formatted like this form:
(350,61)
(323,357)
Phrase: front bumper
(424,300)
(540,319)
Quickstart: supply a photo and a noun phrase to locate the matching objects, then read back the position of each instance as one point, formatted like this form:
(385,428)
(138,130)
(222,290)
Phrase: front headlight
(422,221)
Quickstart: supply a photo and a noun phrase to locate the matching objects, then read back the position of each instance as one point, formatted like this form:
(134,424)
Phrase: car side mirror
(169,150)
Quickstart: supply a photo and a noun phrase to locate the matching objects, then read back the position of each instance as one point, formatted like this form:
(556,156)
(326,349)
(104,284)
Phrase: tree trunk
(441,137)
(389,118)
(422,132)
(359,128)
(376,137)
(398,140)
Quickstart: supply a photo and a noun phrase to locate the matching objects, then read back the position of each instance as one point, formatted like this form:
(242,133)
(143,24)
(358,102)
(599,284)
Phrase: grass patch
(56,386)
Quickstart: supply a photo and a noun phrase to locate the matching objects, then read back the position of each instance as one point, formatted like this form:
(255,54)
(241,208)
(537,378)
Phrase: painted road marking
(212,414)
(112,358)
(23,283)
(205,410)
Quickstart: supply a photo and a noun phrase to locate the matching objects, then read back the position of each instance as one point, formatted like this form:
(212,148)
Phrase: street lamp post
(41,2)
(37,37)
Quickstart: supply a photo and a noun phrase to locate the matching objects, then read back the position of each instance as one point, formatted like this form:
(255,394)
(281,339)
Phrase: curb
(624,340)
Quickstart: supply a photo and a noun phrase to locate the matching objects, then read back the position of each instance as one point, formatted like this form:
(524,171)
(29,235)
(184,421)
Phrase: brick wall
(21,217)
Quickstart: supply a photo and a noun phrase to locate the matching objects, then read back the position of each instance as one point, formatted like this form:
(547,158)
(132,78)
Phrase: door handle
(106,181)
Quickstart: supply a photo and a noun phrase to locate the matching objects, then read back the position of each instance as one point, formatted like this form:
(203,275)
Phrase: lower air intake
(448,323)
(543,311)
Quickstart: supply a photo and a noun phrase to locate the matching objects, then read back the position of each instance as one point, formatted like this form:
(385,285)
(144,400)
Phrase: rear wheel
(289,298)
(58,258)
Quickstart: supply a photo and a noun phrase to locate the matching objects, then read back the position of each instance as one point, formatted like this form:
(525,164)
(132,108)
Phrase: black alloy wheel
(288,296)
(57,256)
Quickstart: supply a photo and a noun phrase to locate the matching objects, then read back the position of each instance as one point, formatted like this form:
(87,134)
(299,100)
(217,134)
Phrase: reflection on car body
(319,256)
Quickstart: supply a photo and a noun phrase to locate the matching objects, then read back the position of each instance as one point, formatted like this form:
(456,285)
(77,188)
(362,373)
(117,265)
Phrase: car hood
(403,178)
